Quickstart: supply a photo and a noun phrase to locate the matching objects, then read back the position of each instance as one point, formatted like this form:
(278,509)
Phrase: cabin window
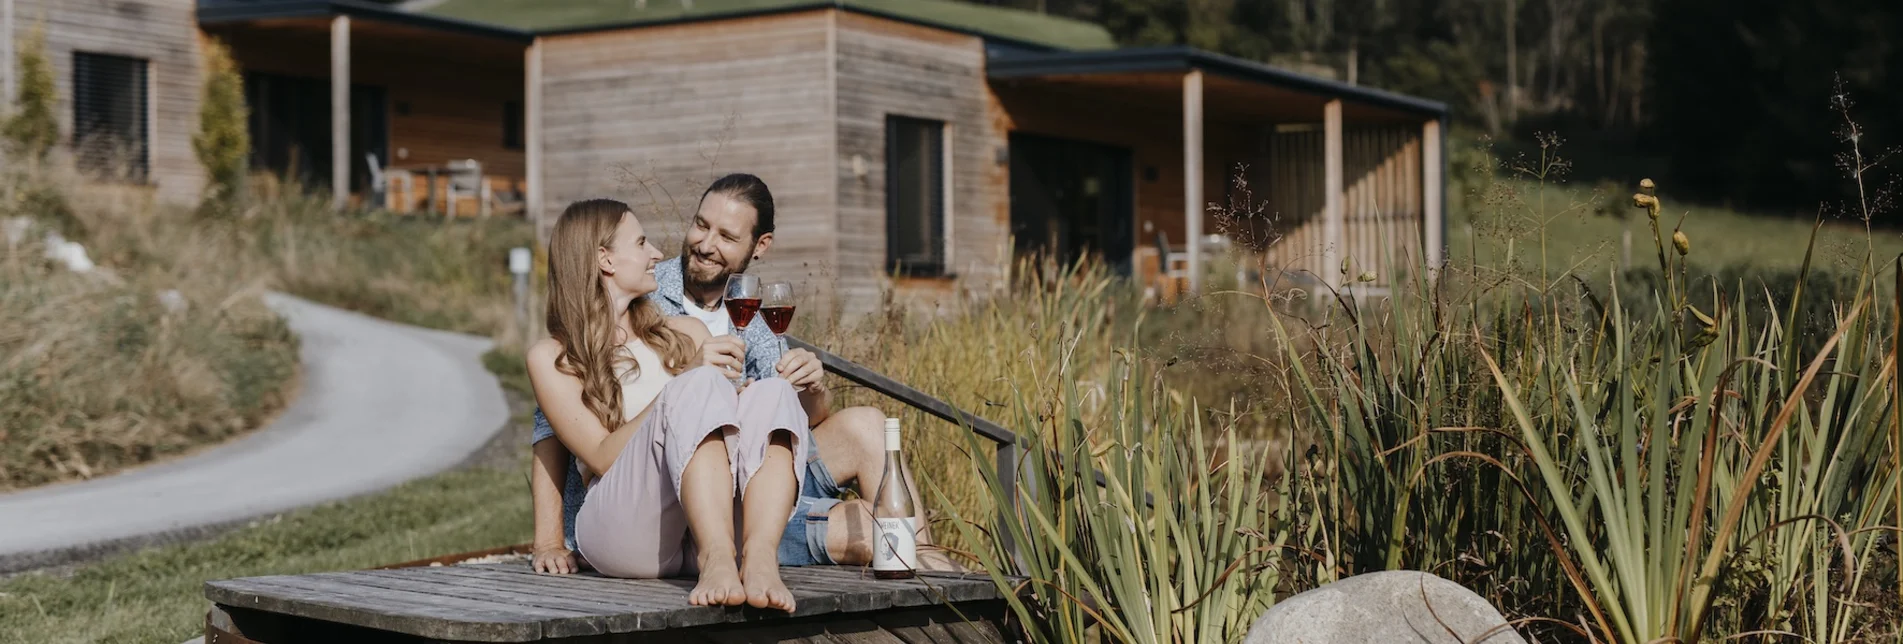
(915,196)
(110,103)
(512,125)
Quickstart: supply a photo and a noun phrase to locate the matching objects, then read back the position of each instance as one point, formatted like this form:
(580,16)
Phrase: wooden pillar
(339,111)
(1193,175)
(532,135)
(1431,173)
(6,58)
(1332,224)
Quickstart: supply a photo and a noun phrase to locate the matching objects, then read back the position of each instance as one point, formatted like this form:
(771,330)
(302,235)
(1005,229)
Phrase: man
(732,228)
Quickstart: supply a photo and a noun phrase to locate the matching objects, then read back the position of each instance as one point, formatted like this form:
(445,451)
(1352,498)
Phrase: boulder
(1390,606)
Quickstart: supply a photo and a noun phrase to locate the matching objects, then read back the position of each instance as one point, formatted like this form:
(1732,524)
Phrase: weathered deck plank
(511,603)
(408,613)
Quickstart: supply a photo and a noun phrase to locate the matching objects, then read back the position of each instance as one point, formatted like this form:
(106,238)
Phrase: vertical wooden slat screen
(1381,202)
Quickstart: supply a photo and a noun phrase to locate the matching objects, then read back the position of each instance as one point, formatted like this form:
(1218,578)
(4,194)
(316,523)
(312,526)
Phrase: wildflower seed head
(1681,242)
(1344,266)
(1648,202)
(1366,276)
(1647,186)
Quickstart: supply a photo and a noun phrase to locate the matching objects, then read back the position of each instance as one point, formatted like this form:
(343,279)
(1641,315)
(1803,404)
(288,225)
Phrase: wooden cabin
(125,85)
(916,145)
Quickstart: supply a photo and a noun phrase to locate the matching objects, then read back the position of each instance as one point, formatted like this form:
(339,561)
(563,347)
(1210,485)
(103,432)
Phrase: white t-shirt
(717,321)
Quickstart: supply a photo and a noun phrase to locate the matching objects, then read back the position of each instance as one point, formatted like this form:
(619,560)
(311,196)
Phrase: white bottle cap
(891,434)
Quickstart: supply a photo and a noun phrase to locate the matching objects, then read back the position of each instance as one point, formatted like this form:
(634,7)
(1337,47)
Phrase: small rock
(69,253)
(1384,607)
(173,301)
(16,229)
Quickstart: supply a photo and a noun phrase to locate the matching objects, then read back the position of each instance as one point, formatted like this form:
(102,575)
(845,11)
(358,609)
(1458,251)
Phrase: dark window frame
(513,125)
(93,77)
(934,264)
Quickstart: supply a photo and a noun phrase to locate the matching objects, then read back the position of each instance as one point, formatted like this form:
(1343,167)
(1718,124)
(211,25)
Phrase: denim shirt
(763,348)
(763,353)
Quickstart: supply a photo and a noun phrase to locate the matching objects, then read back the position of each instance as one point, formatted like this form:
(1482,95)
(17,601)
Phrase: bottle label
(897,547)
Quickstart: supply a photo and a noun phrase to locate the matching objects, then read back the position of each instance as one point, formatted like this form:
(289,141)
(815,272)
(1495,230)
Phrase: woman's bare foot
(719,584)
(764,588)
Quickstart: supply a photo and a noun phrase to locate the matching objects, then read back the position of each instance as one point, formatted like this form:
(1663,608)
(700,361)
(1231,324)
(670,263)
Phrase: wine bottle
(895,553)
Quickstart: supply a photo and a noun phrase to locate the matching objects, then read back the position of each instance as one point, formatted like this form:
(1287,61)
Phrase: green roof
(580,15)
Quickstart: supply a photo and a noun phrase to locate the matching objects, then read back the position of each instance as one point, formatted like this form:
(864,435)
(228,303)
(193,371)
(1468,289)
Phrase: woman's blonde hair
(580,315)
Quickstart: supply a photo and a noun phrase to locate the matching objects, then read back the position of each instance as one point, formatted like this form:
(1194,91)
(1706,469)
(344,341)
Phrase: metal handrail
(1008,442)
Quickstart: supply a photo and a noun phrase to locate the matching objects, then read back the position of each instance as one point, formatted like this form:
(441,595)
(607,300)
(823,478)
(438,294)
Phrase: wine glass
(776,305)
(743,300)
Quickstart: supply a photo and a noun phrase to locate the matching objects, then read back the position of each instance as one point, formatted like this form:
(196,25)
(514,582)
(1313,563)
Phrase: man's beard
(716,281)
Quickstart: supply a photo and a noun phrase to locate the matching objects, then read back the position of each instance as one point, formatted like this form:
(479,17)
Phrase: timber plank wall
(887,68)
(653,115)
(162,32)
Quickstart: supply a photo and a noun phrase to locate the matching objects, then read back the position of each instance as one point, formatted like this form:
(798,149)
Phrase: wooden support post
(532,135)
(6,52)
(1431,186)
(339,111)
(1332,223)
(1193,175)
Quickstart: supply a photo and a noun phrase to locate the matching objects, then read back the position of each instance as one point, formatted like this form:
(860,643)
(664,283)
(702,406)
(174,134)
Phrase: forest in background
(1730,100)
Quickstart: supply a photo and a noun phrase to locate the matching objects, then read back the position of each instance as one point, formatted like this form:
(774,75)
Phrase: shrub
(31,131)
(223,141)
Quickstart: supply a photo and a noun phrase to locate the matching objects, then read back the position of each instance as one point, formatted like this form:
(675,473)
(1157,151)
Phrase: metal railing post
(1007,464)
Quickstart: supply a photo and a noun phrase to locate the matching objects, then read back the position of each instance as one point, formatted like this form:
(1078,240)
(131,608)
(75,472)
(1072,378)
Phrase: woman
(671,440)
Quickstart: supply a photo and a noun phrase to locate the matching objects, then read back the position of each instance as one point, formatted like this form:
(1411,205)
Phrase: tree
(31,131)
(1741,92)
(223,143)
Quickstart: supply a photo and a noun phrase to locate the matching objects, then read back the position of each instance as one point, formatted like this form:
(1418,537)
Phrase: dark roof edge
(1182,58)
(247,11)
(796,7)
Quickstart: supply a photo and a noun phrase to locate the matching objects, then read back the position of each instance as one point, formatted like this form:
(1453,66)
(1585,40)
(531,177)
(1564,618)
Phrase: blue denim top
(763,348)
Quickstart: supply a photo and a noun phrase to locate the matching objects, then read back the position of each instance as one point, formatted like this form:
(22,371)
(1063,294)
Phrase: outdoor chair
(381,180)
(466,180)
(1172,269)
(508,195)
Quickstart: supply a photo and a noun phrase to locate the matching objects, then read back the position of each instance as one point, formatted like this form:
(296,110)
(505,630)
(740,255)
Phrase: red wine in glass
(743,299)
(741,311)
(778,318)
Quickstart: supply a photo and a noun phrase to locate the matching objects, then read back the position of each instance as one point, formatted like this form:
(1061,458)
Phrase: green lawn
(156,595)
(1583,233)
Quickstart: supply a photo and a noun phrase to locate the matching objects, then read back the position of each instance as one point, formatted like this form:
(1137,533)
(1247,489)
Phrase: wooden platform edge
(517,549)
(988,622)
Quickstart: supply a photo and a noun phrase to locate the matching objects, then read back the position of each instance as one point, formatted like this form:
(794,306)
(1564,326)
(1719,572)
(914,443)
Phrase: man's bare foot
(719,584)
(764,588)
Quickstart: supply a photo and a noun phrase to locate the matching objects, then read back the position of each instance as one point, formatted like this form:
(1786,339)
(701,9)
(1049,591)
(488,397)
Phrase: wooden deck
(509,602)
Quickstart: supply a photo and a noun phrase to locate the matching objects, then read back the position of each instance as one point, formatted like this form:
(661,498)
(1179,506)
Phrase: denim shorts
(804,542)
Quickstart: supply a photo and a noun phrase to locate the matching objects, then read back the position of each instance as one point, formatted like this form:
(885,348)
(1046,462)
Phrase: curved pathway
(380,403)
